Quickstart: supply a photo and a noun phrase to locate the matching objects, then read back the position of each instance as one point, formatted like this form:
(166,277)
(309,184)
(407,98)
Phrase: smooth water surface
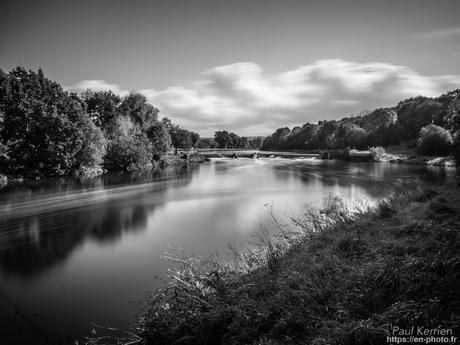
(74,252)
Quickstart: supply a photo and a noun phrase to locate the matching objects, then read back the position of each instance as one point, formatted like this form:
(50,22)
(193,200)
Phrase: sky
(247,66)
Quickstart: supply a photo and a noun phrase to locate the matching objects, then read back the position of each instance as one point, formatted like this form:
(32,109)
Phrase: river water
(77,251)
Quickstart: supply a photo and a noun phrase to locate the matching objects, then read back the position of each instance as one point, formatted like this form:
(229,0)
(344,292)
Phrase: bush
(129,153)
(377,152)
(434,140)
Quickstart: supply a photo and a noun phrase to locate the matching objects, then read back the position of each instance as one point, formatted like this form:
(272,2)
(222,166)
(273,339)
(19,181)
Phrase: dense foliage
(434,140)
(381,127)
(48,131)
(455,148)
(226,140)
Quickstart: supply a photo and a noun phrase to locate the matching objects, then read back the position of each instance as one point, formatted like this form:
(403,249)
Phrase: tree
(449,118)
(205,143)
(277,140)
(327,134)
(244,143)
(159,136)
(90,157)
(136,107)
(234,141)
(434,140)
(180,138)
(352,135)
(103,108)
(46,131)
(415,113)
(358,138)
(195,138)
(223,139)
(40,124)
(256,142)
(167,123)
(129,153)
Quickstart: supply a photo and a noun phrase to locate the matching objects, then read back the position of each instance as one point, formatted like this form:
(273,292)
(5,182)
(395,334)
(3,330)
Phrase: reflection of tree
(32,244)
(374,179)
(12,193)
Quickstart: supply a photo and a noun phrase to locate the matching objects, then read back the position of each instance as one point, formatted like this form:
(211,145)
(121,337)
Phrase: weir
(255,154)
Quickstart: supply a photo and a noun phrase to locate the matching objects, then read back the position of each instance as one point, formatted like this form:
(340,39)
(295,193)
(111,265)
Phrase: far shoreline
(390,157)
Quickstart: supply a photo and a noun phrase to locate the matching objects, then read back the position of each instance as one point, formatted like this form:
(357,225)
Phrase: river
(76,251)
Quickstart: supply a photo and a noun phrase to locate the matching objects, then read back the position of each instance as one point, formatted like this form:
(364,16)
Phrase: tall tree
(41,124)
(142,113)
(180,138)
(223,139)
(103,108)
(160,138)
(195,138)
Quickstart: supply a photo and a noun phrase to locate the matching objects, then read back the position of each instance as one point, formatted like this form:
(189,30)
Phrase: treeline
(226,140)
(438,117)
(47,131)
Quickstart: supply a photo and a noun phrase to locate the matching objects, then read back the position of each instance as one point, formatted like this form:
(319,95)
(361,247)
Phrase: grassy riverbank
(345,278)
(338,275)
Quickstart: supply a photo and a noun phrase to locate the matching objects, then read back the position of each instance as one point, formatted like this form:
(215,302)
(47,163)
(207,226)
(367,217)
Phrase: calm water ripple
(77,251)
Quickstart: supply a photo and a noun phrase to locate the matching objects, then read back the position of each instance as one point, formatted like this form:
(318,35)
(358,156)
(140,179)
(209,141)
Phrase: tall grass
(339,274)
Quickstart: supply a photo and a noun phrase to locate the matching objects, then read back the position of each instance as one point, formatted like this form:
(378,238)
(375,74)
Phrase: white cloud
(240,97)
(97,85)
(244,99)
(437,34)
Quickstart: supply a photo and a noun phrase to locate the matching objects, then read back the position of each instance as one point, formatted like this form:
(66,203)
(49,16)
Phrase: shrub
(434,140)
(358,156)
(129,153)
(377,152)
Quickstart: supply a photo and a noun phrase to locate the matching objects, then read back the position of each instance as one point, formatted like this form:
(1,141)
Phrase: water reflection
(79,250)
(42,223)
(99,210)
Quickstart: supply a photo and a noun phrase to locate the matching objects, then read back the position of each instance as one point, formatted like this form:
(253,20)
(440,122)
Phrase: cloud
(438,34)
(242,98)
(97,85)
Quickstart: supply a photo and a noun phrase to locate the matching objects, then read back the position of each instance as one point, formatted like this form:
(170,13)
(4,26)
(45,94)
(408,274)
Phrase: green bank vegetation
(337,275)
